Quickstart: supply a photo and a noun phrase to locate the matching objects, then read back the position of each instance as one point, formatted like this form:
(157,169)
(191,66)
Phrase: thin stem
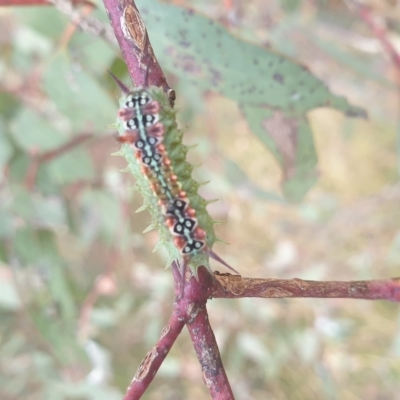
(154,358)
(135,45)
(206,347)
(233,286)
(379,31)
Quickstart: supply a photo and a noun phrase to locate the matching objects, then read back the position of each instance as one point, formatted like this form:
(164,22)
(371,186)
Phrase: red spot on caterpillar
(161,148)
(191,212)
(156,130)
(151,108)
(170,222)
(130,137)
(125,114)
(179,242)
(199,233)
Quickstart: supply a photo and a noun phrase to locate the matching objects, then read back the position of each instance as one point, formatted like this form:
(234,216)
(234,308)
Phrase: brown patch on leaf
(283,131)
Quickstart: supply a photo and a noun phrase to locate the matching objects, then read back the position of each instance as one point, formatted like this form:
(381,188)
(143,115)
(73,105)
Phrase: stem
(232,286)
(154,358)
(380,32)
(206,347)
(135,45)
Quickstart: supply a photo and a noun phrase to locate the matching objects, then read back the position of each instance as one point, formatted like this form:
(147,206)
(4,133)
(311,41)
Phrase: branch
(206,347)
(86,23)
(365,13)
(154,358)
(233,286)
(131,33)
(192,309)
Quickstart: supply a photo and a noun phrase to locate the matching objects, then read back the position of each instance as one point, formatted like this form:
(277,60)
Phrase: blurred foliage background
(82,296)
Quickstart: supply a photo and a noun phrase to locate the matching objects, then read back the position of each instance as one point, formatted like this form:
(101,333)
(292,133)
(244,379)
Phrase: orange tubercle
(191,212)
(179,242)
(199,233)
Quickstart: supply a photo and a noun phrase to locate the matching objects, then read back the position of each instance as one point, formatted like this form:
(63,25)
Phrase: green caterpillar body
(152,145)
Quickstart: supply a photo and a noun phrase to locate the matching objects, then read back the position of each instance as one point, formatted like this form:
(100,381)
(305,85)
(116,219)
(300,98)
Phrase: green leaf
(9,298)
(6,150)
(101,214)
(71,166)
(241,181)
(61,293)
(49,212)
(78,96)
(6,223)
(85,50)
(290,140)
(203,52)
(36,209)
(8,106)
(18,167)
(23,205)
(33,133)
(35,246)
(56,22)
(269,87)
(60,336)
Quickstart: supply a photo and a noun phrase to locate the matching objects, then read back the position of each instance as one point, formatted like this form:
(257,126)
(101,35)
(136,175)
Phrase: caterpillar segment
(147,126)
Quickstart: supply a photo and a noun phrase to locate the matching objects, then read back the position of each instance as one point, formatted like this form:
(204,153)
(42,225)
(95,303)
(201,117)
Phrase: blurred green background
(82,296)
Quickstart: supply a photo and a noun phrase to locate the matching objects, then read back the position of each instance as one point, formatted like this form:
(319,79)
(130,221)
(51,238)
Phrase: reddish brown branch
(14,3)
(232,286)
(206,347)
(154,358)
(192,309)
(380,32)
(135,45)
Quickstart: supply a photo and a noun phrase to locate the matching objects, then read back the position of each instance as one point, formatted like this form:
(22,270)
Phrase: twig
(135,45)
(15,3)
(380,32)
(86,23)
(232,286)
(206,347)
(154,358)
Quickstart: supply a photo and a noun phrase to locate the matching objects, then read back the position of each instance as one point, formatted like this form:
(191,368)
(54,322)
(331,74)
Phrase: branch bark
(132,37)
(154,358)
(233,286)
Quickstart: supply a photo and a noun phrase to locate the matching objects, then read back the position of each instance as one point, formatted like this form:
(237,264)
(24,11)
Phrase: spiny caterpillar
(157,158)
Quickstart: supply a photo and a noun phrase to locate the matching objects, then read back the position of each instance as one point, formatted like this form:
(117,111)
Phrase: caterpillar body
(152,144)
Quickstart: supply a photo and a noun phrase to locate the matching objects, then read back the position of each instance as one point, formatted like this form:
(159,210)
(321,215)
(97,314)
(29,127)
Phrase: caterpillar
(152,144)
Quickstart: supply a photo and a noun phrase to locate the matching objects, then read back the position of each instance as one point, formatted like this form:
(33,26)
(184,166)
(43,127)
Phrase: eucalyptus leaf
(34,133)
(270,88)
(203,52)
(71,166)
(78,96)
(6,149)
(35,246)
(241,181)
